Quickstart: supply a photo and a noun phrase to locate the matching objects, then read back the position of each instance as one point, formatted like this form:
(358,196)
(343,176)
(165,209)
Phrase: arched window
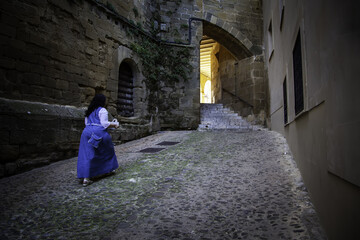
(125,105)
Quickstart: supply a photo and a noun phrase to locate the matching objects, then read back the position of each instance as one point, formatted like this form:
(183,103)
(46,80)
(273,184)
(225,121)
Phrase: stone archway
(229,32)
(226,39)
(237,79)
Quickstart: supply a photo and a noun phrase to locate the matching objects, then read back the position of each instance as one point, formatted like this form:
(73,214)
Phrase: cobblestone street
(211,185)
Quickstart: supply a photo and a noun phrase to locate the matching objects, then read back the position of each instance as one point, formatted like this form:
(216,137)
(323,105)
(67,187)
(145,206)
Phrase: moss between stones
(120,199)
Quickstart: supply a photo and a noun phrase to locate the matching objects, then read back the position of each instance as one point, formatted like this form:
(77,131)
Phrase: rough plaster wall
(324,138)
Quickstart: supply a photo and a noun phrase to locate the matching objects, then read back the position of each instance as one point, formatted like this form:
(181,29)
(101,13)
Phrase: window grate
(125,91)
(298,76)
(285,102)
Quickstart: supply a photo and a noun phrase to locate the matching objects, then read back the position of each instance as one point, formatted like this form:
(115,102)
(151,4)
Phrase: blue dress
(96,151)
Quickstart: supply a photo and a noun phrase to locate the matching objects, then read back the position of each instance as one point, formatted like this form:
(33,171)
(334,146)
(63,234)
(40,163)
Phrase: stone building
(144,55)
(311,56)
(291,65)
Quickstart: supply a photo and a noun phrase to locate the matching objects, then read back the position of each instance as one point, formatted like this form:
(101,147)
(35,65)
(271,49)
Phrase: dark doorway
(125,105)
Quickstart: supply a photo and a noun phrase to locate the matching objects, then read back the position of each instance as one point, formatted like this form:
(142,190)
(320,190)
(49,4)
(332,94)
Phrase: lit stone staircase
(216,117)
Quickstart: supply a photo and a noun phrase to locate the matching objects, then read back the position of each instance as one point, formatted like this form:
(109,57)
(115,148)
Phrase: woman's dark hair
(98,101)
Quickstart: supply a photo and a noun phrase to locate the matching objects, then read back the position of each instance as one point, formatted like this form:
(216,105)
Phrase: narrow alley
(201,185)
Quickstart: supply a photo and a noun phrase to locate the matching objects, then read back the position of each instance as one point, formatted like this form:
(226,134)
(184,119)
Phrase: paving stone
(212,185)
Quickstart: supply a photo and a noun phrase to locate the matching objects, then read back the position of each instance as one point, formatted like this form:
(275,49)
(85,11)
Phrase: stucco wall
(325,136)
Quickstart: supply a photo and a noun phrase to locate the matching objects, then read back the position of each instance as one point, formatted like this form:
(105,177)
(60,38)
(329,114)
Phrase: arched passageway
(234,72)
(232,44)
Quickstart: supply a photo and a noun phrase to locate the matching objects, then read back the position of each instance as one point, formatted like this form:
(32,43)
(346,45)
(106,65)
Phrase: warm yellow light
(206,47)
(207,92)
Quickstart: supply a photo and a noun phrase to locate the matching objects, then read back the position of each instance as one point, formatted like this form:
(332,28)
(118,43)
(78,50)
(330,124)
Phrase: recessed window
(270,41)
(125,106)
(298,76)
(285,102)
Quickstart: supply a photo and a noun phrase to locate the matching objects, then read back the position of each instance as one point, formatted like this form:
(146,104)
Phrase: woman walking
(96,151)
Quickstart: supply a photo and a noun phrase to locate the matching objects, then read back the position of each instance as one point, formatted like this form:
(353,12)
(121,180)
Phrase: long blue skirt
(96,161)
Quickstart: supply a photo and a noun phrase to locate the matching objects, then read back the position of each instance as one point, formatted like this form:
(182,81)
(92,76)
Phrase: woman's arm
(104,121)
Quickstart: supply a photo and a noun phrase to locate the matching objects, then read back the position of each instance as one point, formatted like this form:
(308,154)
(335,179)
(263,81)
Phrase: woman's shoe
(87,182)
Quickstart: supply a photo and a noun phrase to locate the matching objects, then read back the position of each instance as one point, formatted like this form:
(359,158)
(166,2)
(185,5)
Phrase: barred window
(125,106)
(298,76)
(285,102)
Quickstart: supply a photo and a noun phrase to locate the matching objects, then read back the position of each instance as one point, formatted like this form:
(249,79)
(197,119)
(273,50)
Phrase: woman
(96,151)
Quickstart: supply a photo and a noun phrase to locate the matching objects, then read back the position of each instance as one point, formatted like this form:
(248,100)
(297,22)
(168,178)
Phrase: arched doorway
(125,105)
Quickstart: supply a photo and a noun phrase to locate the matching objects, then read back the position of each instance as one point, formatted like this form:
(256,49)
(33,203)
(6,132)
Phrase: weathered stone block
(112,85)
(9,152)
(47,82)
(31,79)
(88,91)
(64,5)
(8,30)
(8,63)
(62,84)
(2,170)
(247,43)
(10,168)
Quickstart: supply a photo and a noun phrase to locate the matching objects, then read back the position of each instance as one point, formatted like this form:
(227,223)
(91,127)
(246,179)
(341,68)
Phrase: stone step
(221,115)
(216,117)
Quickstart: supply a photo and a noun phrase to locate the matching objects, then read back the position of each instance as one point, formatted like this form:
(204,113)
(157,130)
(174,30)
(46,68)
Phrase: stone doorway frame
(140,102)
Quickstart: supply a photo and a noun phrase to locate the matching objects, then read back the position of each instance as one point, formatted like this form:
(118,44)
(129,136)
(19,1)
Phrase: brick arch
(234,40)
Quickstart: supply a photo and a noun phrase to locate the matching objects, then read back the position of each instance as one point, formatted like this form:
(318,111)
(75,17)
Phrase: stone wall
(61,53)
(250,86)
(56,51)
(34,134)
(240,85)
(324,136)
(242,19)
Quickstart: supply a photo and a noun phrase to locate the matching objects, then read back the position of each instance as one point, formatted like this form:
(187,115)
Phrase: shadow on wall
(36,134)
